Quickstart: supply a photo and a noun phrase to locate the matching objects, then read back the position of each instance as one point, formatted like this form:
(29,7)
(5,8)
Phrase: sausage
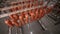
(48,10)
(11,16)
(32,15)
(10,10)
(15,23)
(13,9)
(21,18)
(16,8)
(31,4)
(26,17)
(41,13)
(19,7)
(9,23)
(28,5)
(22,14)
(36,14)
(16,16)
(19,2)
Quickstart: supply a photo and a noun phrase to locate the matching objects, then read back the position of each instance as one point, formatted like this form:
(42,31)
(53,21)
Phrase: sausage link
(16,16)
(26,17)
(41,13)
(21,18)
(11,16)
(36,14)
(9,23)
(32,15)
(15,23)
(48,10)
(19,7)
(13,9)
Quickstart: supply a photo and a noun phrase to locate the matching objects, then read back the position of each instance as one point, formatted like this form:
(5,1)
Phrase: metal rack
(55,14)
(4,15)
(9,13)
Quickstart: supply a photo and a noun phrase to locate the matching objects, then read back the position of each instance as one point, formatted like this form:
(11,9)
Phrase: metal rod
(6,8)
(42,25)
(7,14)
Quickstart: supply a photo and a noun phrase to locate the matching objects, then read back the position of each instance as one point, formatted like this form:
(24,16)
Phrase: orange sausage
(26,17)
(19,7)
(31,4)
(16,16)
(13,9)
(32,15)
(16,8)
(41,13)
(9,23)
(22,14)
(28,5)
(48,10)
(15,23)
(36,14)
(19,2)
(12,17)
(21,18)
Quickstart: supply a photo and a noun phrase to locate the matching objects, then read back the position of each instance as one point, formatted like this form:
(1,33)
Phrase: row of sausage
(26,17)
